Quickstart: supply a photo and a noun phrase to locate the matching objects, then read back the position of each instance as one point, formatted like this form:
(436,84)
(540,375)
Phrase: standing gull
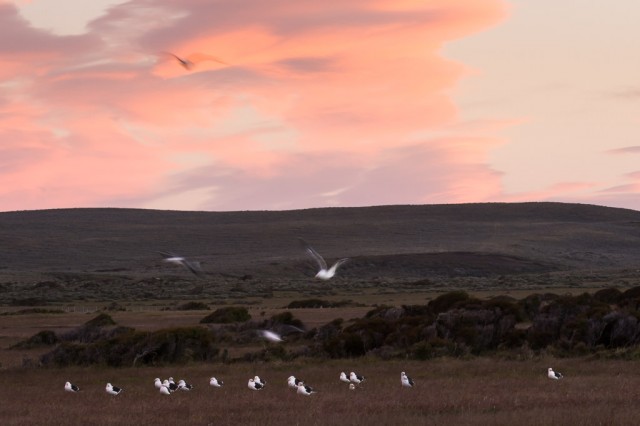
(553,374)
(324,273)
(176,259)
(344,378)
(406,380)
(164,390)
(356,378)
(304,389)
(112,390)
(184,385)
(157,383)
(253,385)
(259,381)
(293,382)
(69,387)
(215,382)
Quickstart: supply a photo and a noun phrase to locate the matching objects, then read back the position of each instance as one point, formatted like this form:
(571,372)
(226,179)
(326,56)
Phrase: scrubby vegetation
(454,324)
(226,315)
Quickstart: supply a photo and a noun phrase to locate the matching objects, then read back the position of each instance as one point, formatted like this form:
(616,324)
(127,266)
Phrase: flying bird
(176,259)
(253,385)
(324,273)
(271,336)
(190,62)
(215,382)
(304,389)
(112,390)
(406,380)
(553,374)
(69,387)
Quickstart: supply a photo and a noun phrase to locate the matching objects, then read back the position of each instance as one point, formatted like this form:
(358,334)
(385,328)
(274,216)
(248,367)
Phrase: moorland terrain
(433,289)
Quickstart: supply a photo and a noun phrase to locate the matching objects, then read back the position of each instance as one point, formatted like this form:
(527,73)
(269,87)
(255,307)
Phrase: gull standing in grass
(293,382)
(112,390)
(164,390)
(170,385)
(553,374)
(324,273)
(356,378)
(253,385)
(304,389)
(176,259)
(344,378)
(157,383)
(215,382)
(259,381)
(184,385)
(406,380)
(69,387)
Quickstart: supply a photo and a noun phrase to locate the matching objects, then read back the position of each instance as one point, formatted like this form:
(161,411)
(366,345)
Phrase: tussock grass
(453,392)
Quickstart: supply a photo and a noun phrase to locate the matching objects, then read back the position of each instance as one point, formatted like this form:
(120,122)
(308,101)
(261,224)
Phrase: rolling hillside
(387,244)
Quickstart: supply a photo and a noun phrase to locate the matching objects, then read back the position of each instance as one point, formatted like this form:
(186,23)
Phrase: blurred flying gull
(176,259)
(275,334)
(189,62)
(324,273)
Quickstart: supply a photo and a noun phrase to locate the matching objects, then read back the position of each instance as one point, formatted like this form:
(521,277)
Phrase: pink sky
(350,103)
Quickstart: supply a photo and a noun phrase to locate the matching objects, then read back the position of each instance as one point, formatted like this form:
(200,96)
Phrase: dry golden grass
(452,392)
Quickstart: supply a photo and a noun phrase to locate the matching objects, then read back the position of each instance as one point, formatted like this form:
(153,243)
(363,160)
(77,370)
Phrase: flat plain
(83,261)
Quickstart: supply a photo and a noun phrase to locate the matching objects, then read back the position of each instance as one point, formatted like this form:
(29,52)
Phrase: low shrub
(227,315)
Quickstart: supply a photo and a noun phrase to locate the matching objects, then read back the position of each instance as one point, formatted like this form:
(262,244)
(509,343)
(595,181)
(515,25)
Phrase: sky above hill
(310,104)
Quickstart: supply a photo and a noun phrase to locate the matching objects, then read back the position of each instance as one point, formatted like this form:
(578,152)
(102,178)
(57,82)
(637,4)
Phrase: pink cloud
(318,104)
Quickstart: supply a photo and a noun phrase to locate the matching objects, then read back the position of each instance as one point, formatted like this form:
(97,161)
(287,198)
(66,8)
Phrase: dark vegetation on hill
(105,255)
(454,324)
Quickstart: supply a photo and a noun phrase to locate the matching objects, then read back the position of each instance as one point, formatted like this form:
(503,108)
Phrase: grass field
(451,392)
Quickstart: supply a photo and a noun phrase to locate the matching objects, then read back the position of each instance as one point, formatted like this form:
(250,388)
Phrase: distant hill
(416,240)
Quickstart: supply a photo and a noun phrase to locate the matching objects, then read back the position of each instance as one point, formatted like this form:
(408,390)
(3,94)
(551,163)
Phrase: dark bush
(38,340)
(608,295)
(130,347)
(447,301)
(286,318)
(102,320)
(227,315)
(193,306)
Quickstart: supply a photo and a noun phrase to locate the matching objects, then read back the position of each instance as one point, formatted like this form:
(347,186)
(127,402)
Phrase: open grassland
(451,392)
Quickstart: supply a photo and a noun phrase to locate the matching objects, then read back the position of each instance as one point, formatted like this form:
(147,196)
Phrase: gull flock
(169,386)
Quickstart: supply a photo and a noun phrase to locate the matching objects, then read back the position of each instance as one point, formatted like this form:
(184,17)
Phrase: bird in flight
(324,273)
(190,62)
(176,259)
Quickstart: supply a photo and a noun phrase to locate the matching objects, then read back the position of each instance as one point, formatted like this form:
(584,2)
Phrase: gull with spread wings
(324,273)
(176,259)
